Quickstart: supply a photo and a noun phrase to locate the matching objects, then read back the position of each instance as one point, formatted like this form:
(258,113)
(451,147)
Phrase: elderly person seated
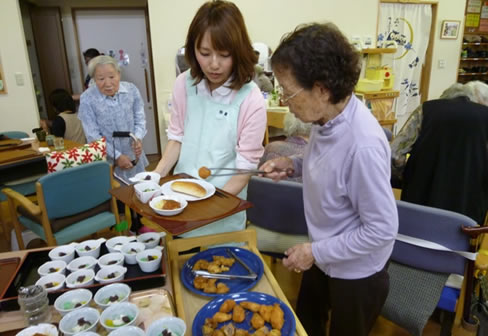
(297,133)
(66,124)
(447,141)
(112,105)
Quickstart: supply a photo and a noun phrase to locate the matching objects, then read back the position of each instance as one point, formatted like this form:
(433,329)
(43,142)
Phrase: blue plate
(235,285)
(212,307)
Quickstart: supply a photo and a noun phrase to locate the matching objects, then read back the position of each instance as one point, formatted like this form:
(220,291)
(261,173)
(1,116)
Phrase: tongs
(238,171)
(224,276)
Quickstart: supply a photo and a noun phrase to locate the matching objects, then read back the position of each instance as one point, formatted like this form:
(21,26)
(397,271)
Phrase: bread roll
(189,188)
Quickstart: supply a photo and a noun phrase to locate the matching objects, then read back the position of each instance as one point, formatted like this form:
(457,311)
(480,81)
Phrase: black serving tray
(27,275)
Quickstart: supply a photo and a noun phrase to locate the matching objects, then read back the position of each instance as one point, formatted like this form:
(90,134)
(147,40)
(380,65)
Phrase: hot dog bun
(189,188)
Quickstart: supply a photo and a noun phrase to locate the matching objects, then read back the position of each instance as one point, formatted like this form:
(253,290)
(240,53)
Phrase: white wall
(18,108)
(448,50)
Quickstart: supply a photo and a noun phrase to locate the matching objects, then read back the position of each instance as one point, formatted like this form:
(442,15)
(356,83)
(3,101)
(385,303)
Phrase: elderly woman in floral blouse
(112,105)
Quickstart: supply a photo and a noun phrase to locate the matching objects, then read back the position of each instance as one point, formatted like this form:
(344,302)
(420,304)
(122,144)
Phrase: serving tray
(27,275)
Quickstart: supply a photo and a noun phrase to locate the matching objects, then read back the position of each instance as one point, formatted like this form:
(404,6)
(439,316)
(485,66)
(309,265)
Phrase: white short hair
(458,90)
(480,92)
(101,60)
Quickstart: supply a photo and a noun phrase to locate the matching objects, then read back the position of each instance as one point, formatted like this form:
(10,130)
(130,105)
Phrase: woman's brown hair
(225,24)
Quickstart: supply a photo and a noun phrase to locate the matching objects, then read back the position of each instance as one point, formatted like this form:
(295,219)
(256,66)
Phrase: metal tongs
(238,171)
(251,276)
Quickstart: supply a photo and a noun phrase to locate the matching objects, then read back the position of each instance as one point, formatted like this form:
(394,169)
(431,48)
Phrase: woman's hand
(124,162)
(44,124)
(299,257)
(137,148)
(276,169)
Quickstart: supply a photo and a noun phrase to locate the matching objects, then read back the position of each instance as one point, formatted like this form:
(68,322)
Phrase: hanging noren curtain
(409,26)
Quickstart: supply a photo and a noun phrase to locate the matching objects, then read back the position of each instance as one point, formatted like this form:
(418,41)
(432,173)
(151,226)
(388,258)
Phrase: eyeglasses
(284,98)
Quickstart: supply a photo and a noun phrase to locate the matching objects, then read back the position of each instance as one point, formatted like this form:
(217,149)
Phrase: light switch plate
(19,78)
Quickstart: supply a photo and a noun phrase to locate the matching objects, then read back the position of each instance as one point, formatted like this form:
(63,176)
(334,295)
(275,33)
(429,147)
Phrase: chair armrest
(115,184)
(23,201)
(474,231)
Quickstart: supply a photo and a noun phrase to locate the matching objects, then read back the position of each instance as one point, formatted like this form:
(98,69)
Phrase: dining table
(187,304)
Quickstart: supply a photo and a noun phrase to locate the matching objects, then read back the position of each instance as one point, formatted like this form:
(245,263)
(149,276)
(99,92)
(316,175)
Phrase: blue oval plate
(235,285)
(212,307)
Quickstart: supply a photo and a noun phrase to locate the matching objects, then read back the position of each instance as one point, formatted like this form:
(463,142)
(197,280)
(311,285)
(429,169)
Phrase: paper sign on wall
(484,12)
(474,6)
(483,25)
(472,20)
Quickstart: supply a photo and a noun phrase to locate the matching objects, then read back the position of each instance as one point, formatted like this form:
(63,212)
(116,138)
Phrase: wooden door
(51,51)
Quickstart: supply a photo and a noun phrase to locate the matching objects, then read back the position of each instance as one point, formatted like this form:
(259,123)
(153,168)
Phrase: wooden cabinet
(473,64)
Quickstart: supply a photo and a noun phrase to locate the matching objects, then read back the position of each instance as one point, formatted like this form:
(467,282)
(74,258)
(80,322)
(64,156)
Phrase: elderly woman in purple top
(349,206)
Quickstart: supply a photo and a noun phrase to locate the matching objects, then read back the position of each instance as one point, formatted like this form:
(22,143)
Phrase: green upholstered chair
(72,204)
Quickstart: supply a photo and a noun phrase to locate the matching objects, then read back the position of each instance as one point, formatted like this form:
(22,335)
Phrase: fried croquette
(222,288)
(218,332)
(257,321)
(224,261)
(199,282)
(241,332)
(252,306)
(238,314)
(277,317)
(263,331)
(201,264)
(274,332)
(265,312)
(227,306)
(221,317)
(207,330)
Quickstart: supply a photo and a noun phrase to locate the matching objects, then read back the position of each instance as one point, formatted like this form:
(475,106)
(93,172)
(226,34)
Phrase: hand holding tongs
(237,171)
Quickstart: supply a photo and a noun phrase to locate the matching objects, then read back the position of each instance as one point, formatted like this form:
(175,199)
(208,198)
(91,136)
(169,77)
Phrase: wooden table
(276,118)
(196,214)
(188,303)
(16,157)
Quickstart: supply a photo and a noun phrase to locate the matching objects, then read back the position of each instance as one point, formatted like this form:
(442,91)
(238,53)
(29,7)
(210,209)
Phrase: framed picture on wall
(3,88)
(450,29)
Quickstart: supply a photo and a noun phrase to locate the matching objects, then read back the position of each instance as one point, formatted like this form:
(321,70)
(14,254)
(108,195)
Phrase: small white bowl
(174,324)
(65,253)
(90,248)
(156,200)
(147,190)
(71,320)
(146,265)
(85,262)
(57,279)
(72,300)
(119,291)
(72,279)
(146,176)
(130,251)
(151,239)
(115,244)
(51,267)
(88,333)
(111,259)
(43,329)
(127,331)
(108,274)
(116,312)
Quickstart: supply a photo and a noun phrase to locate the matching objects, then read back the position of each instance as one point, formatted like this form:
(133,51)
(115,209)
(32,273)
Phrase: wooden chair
(72,204)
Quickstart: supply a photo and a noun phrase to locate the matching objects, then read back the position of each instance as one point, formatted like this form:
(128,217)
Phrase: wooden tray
(8,269)
(195,215)
(188,303)
(26,275)
(13,144)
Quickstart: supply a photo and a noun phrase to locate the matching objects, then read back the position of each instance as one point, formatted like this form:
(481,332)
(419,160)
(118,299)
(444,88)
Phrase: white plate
(166,189)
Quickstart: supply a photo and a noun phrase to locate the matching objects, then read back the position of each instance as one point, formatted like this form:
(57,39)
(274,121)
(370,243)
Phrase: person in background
(260,78)
(350,210)
(297,133)
(66,124)
(88,55)
(447,141)
(218,115)
(112,105)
